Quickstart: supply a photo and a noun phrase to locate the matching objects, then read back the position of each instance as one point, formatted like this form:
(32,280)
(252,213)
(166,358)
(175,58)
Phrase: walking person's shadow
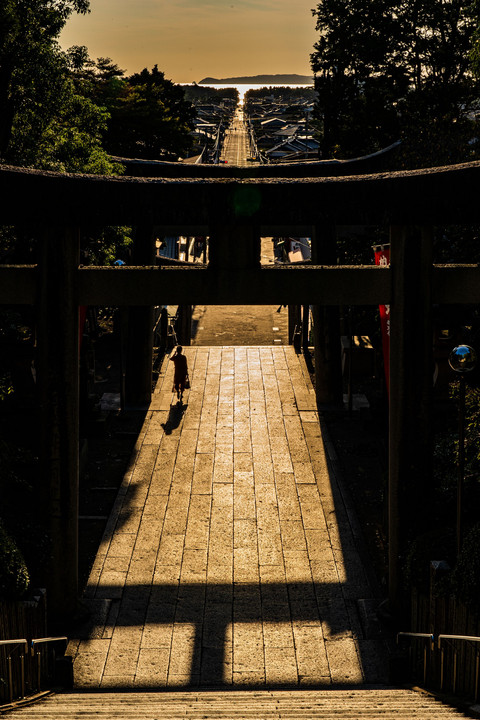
(174,417)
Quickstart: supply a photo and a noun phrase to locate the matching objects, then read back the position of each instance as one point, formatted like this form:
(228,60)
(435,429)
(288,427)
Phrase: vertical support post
(411,381)
(326,326)
(184,326)
(139,351)
(461,460)
(234,246)
(58,387)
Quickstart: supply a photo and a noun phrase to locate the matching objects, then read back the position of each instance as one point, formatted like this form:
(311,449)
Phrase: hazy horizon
(193,39)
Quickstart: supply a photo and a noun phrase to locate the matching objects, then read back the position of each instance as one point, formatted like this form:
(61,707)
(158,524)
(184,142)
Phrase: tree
(100,80)
(46,120)
(150,118)
(30,59)
(357,75)
(395,69)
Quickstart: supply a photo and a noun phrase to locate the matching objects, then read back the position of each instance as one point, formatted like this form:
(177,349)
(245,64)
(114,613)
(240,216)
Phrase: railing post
(326,325)
(139,350)
(476,673)
(411,381)
(10,678)
(293,322)
(22,673)
(455,656)
(305,321)
(442,666)
(39,670)
(58,387)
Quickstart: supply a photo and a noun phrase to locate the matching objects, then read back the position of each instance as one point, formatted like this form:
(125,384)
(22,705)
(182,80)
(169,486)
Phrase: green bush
(14,578)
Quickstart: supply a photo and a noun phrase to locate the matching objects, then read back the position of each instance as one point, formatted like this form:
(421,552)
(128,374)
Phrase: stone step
(376,703)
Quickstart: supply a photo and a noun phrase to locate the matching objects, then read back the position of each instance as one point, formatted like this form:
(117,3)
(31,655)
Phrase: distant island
(260,80)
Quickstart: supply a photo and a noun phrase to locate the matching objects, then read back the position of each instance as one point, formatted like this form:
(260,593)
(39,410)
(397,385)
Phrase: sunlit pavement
(236,146)
(230,558)
(242,324)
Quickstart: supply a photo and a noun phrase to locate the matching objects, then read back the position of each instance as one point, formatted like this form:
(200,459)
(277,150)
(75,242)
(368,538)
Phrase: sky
(193,39)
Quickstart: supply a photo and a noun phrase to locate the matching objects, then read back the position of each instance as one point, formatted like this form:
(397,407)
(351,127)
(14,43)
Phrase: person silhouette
(180,376)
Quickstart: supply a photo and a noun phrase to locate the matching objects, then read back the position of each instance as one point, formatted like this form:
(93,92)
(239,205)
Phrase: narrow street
(236,147)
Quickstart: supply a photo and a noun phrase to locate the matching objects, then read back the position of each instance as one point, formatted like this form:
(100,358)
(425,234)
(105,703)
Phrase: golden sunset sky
(192,39)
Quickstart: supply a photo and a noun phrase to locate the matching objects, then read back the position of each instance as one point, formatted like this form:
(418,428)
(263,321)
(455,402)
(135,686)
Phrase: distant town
(279,121)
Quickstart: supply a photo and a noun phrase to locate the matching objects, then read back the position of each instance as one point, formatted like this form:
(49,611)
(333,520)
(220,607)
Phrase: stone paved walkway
(231,554)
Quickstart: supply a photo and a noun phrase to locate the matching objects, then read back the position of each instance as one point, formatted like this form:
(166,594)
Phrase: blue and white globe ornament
(462,359)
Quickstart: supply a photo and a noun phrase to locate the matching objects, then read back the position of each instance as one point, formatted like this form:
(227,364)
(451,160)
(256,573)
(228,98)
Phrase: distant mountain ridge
(291,79)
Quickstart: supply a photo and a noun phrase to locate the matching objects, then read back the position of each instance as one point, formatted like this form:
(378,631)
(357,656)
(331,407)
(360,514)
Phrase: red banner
(382,257)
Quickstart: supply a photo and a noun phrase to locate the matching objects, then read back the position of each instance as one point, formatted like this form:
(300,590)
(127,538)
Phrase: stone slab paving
(240,324)
(231,557)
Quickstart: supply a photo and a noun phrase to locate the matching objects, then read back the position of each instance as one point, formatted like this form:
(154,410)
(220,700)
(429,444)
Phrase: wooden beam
(451,284)
(362,285)
(443,195)
(18,284)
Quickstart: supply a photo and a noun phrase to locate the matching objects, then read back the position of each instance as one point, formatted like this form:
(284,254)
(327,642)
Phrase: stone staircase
(366,703)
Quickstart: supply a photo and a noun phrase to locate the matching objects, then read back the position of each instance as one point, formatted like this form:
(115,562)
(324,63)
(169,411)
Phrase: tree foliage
(45,119)
(148,115)
(30,59)
(150,118)
(66,112)
(386,70)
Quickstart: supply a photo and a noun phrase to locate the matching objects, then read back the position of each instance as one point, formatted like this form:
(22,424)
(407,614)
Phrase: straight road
(236,146)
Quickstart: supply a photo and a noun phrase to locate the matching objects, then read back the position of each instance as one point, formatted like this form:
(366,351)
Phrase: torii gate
(235,207)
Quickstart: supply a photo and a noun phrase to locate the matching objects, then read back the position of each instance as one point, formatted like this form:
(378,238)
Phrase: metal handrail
(467,638)
(39,641)
(413,634)
(424,636)
(474,639)
(463,638)
(20,641)
(16,643)
(37,655)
